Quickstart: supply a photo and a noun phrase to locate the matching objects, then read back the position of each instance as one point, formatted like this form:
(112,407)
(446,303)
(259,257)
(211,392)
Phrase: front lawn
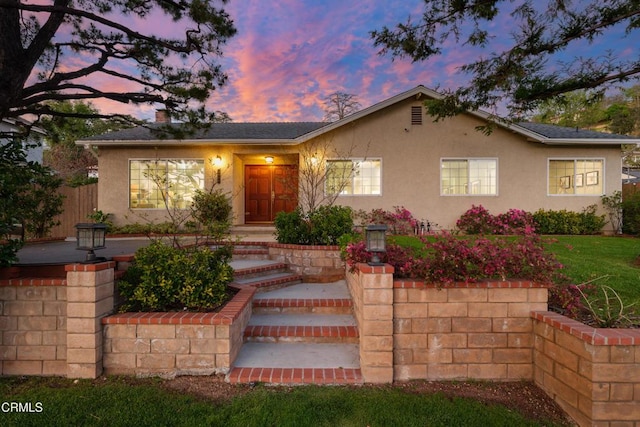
(132,402)
(610,260)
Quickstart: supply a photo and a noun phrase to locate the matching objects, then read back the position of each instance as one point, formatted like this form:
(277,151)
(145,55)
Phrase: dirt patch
(524,397)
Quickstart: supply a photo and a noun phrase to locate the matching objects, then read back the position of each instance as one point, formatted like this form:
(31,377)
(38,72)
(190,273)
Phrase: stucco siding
(410,166)
(411,157)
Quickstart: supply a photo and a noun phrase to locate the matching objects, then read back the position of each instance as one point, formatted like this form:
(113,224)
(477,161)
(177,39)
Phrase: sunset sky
(288,55)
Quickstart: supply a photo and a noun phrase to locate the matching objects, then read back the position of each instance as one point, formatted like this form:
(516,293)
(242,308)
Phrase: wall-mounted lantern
(89,237)
(217,162)
(269,159)
(376,242)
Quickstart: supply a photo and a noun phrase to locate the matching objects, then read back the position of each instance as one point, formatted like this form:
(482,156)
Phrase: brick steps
(302,334)
(319,376)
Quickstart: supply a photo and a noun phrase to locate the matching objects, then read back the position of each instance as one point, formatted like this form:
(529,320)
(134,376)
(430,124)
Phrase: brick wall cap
(484,284)
(33,281)
(90,267)
(304,247)
(589,334)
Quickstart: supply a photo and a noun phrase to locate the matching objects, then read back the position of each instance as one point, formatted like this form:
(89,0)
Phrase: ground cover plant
(195,401)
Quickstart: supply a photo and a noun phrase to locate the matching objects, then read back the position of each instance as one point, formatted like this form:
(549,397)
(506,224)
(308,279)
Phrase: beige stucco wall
(410,166)
(113,185)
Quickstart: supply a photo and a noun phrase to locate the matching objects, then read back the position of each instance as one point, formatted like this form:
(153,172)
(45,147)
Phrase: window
(158,183)
(469,177)
(575,177)
(353,177)
(416,115)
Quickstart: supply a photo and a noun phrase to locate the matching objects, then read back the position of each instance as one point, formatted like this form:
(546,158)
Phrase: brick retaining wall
(313,263)
(33,327)
(170,344)
(465,330)
(593,374)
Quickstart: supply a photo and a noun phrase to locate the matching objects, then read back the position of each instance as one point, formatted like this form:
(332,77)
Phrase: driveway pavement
(58,252)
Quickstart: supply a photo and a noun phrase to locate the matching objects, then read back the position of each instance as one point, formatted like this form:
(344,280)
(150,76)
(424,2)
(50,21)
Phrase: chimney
(162,116)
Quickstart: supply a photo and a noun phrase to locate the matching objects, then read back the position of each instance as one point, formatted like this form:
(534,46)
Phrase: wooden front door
(268,190)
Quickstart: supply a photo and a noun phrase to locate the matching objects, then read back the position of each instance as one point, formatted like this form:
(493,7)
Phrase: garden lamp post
(89,237)
(376,242)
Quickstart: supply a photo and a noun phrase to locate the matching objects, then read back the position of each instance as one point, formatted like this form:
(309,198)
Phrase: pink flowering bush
(478,220)
(399,222)
(446,259)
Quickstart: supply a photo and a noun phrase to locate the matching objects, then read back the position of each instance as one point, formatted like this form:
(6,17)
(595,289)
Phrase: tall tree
(60,50)
(543,59)
(69,160)
(575,109)
(28,197)
(339,105)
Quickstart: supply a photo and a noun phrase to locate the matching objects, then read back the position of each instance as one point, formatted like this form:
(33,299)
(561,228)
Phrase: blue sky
(288,55)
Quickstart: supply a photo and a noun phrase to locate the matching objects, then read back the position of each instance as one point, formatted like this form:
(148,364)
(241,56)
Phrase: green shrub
(328,223)
(292,228)
(164,278)
(568,222)
(213,210)
(323,226)
(631,214)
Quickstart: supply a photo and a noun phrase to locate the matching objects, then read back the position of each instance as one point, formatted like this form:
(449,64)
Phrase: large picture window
(460,177)
(155,184)
(353,177)
(576,177)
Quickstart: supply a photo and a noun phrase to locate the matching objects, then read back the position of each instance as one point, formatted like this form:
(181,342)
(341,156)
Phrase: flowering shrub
(478,220)
(399,222)
(447,259)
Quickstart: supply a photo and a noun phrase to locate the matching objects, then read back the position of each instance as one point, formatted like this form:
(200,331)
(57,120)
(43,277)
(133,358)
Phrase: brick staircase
(299,333)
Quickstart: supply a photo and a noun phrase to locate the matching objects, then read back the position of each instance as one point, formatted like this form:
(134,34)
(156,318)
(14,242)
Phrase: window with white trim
(575,177)
(154,184)
(475,177)
(353,177)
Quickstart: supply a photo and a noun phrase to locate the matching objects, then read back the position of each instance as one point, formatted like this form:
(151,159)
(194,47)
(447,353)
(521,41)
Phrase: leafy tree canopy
(68,160)
(546,51)
(61,50)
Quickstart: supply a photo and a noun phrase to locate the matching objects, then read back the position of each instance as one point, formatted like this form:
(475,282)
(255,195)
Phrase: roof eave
(593,141)
(184,142)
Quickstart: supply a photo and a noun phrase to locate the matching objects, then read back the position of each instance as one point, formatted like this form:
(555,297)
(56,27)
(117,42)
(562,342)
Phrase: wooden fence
(78,203)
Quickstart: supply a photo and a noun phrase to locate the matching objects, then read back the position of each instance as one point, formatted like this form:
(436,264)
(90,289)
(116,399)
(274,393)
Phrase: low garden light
(376,242)
(89,237)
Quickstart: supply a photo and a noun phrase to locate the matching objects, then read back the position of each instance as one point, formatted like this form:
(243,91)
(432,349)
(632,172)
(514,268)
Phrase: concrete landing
(299,355)
(335,290)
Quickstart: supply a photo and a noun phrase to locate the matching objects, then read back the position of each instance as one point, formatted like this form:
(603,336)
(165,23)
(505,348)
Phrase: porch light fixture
(268,159)
(376,242)
(89,237)
(217,162)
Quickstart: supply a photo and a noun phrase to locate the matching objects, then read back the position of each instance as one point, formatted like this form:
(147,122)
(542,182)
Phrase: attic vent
(416,115)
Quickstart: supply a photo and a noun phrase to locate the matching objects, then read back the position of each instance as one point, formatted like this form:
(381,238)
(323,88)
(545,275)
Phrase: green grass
(608,260)
(115,402)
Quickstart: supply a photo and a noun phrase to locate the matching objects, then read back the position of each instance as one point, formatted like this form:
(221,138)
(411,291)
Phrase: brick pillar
(89,299)
(376,328)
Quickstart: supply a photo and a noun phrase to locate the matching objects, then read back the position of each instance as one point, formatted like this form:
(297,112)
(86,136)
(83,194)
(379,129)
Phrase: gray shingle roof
(219,131)
(561,132)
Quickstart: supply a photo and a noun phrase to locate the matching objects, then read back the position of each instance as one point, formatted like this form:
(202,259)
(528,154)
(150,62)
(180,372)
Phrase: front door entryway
(269,189)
